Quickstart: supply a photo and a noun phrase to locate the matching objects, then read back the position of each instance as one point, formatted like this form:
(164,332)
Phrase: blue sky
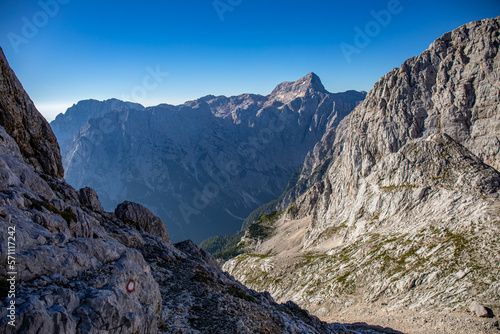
(150,52)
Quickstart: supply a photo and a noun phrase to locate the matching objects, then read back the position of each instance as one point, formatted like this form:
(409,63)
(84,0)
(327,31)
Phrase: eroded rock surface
(21,120)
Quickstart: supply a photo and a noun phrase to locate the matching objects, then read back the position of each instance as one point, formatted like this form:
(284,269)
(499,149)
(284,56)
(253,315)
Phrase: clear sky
(171,51)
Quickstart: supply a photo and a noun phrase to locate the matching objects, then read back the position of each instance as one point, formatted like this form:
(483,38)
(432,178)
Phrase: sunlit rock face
(399,208)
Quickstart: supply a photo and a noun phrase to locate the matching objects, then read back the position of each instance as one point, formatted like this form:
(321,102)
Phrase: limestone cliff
(399,208)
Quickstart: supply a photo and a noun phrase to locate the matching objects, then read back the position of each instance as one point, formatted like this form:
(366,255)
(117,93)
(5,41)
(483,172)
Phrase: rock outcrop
(141,218)
(202,166)
(450,88)
(88,198)
(21,120)
(78,269)
(399,208)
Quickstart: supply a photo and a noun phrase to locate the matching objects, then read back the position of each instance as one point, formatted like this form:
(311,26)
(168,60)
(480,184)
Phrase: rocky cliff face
(450,88)
(21,120)
(79,269)
(202,166)
(399,207)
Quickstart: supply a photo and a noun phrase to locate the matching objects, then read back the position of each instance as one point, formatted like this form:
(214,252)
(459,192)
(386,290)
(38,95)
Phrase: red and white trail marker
(131,286)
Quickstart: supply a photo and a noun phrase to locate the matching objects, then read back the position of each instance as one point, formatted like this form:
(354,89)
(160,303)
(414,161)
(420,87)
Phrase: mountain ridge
(212,160)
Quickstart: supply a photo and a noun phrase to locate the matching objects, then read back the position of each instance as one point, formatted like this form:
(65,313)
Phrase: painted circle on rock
(131,286)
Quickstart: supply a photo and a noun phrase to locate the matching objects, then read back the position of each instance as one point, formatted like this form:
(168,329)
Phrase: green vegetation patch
(460,242)
(67,214)
(442,176)
(255,214)
(343,278)
(394,187)
(223,247)
(263,227)
(332,231)
(230,246)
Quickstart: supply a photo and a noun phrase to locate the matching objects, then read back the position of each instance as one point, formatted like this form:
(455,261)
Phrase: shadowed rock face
(202,166)
(83,270)
(402,197)
(21,120)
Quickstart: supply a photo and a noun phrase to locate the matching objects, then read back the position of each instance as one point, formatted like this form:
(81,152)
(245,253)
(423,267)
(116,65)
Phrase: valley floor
(419,323)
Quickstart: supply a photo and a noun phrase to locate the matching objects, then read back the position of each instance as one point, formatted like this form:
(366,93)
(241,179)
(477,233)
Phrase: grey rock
(41,240)
(400,196)
(15,174)
(289,91)
(61,239)
(88,198)
(192,249)
(478,309)
(21,120)
(142,219)
(462,273)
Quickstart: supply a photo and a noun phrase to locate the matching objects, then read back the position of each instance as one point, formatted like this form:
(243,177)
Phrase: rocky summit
(203,166)
(72,267)
(395,215)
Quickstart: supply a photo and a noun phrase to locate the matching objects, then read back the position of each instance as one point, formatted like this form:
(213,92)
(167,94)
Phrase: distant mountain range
(202,166)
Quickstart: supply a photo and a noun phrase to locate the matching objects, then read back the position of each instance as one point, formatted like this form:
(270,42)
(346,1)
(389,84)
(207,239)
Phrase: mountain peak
(313,81)
(288,91)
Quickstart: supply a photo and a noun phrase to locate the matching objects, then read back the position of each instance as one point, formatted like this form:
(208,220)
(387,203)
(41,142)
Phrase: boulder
(478,309)
(88,198)
(191,248)
(141,218)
